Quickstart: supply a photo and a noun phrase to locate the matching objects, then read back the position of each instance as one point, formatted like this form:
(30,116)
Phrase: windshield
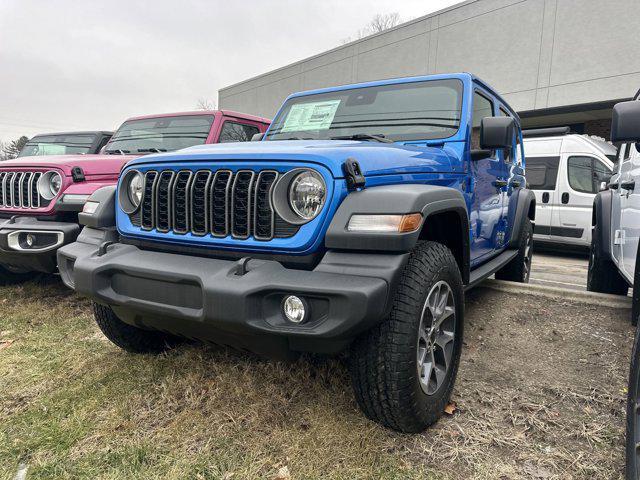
(401,112)
(161,134)
(57,145)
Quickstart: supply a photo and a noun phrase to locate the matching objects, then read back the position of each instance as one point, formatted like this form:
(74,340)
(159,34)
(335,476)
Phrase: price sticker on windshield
(311,116)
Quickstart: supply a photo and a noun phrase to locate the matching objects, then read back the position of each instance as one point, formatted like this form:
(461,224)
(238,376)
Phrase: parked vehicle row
(40,196)
(355,223)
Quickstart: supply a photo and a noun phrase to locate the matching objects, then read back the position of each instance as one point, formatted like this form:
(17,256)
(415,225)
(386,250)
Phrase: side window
(626,152)
(482,107)
(542,172)
(601,173)
(586,173)
(237,132)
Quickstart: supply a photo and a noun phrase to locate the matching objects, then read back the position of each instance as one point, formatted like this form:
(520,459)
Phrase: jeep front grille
(211,202)
(19,189)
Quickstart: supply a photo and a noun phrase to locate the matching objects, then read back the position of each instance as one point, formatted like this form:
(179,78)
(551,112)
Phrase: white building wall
(539,54)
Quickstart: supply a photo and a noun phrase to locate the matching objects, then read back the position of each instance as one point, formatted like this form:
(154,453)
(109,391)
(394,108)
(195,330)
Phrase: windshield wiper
(116,151)
(296,138)
(364,136)
(151,150)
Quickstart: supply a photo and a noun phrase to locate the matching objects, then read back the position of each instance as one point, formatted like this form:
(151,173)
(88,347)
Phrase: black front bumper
(28,244)
(218,300)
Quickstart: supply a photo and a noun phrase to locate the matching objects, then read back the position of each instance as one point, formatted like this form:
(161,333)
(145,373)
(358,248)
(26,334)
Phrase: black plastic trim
(602,218)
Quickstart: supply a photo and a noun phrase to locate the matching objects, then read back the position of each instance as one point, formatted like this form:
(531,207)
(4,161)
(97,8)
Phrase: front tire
(404,369)
(519,269)
(633,411)
(603,275)
(128,337)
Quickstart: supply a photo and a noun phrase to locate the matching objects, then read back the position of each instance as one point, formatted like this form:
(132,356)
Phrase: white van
(565,171)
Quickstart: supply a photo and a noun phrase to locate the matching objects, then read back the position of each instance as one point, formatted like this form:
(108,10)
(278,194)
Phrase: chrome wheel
(528,255)
(436,336)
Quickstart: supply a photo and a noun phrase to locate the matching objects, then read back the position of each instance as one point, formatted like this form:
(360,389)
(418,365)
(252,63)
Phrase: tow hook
(242,265)
(102,249)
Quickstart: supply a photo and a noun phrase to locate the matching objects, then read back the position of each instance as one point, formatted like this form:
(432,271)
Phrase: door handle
(565,198)
(545,197)
(630,185)
(500,183)
(516,184)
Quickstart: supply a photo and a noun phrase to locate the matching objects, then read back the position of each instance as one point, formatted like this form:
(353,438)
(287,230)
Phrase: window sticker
(311,116)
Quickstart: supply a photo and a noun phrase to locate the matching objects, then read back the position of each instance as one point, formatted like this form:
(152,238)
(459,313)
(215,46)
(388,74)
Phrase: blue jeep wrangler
(355,224)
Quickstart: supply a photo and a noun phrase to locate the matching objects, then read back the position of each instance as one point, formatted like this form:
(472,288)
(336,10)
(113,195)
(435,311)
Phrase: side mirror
(257,137)
(497,132)
(625,123)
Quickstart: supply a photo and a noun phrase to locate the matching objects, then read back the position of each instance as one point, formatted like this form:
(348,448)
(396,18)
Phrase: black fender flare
(601,216)
(397,199)
(525,208)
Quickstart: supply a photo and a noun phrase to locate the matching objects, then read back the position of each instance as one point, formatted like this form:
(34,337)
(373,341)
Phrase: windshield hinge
(353,174)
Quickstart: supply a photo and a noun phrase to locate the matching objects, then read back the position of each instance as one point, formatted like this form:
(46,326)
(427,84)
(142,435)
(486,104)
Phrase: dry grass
(531,403)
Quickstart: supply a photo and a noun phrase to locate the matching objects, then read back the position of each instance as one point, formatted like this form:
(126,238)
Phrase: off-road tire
(603,275)
(519,268)
(128,337)
(383,361)
(633,422)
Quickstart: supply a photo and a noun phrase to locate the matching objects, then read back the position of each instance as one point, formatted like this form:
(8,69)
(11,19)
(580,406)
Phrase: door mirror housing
(497,132)
(625,123)
(257,137)
(603,186)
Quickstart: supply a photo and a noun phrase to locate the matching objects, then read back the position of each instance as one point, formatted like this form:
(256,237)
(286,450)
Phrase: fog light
(30,240)
(294,309)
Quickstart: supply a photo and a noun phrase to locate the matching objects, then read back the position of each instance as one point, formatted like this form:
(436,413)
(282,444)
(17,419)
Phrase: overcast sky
(72,64)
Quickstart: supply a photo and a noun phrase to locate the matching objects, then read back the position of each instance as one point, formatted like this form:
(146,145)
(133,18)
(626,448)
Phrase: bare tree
(12,149)
(205,104)
(379,23)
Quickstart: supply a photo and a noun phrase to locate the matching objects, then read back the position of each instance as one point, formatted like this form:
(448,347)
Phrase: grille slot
(220,203)
(147,205)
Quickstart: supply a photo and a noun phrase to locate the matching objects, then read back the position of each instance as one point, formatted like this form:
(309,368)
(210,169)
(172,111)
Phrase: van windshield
(160,134)
(399,112)
(57,145)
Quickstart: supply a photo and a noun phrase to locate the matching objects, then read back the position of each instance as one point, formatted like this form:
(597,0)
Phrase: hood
(374,158)
(91,164)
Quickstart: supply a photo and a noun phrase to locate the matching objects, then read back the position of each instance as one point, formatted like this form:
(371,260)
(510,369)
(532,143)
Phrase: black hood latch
(353,174)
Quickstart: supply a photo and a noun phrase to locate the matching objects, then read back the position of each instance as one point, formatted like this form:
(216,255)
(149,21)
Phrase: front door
(486,171)
(583,177)
(630,211)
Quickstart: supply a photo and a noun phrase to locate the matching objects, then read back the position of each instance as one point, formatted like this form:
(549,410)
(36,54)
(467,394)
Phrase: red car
(40,197)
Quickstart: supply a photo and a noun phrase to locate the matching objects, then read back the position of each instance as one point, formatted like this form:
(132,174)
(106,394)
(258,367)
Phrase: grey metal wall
(539,54)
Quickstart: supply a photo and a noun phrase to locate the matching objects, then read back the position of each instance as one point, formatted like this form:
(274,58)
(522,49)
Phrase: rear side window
(482,107)
(542,172)
(586,173)
(237,132)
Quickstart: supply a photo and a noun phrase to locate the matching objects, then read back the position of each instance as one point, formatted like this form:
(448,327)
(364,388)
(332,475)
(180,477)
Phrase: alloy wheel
(436,337)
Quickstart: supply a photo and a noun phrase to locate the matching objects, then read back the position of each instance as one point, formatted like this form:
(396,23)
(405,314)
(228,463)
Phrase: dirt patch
(540,394)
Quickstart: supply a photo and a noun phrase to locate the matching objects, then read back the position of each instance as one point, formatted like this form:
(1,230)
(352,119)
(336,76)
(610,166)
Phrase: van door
(630,211)
(582,178)
(542,177)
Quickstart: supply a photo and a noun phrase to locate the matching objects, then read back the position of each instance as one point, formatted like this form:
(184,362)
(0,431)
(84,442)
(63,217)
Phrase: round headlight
(130,191)
(307,193)
(135,188)
(49,185)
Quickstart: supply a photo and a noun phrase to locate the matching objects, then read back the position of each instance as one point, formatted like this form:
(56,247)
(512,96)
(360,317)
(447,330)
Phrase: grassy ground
(540,395)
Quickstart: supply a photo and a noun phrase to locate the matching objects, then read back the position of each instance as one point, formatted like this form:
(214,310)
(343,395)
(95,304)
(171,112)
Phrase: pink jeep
(40,197)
